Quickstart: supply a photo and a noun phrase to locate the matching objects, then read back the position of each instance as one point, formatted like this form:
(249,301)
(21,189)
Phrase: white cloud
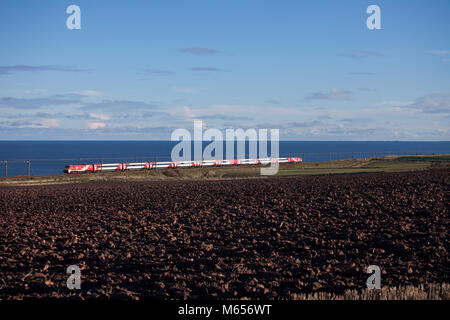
(117,106)
(358,54)
(334,94)
(432,103)
(185,89)
(99,116)
(439,52)
(249,111)
(30,91)
(395,103)
(188,112)
(49,123)
(90,93)
(199,51)
(35,103)
(96,125)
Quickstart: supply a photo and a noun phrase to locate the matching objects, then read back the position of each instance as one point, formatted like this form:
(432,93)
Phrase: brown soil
(254,238)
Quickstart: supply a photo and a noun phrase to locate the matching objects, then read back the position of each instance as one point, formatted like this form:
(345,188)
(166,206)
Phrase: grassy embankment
(348,166)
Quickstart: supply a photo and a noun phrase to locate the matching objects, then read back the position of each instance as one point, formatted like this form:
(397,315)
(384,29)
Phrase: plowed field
(255,238)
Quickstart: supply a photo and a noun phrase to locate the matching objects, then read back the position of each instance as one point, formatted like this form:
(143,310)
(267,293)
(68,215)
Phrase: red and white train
(80,168)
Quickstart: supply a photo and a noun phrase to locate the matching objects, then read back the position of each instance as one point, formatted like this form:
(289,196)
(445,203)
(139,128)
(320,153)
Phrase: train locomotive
(106,167)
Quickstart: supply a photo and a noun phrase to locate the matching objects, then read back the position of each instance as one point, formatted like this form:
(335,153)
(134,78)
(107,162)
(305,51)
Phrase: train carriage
(107,167)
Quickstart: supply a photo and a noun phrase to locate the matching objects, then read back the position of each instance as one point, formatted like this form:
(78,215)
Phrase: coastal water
(50,157)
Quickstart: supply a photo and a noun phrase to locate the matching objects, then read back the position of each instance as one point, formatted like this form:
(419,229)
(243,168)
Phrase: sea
(50,157)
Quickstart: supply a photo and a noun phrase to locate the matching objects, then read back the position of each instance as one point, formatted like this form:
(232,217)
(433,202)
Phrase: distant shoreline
(346,166)
(50,157)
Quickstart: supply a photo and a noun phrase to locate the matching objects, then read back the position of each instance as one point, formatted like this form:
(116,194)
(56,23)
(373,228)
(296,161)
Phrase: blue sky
(137,70)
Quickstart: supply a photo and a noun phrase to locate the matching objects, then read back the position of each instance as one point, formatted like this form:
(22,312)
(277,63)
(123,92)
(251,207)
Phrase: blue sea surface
(50,157)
